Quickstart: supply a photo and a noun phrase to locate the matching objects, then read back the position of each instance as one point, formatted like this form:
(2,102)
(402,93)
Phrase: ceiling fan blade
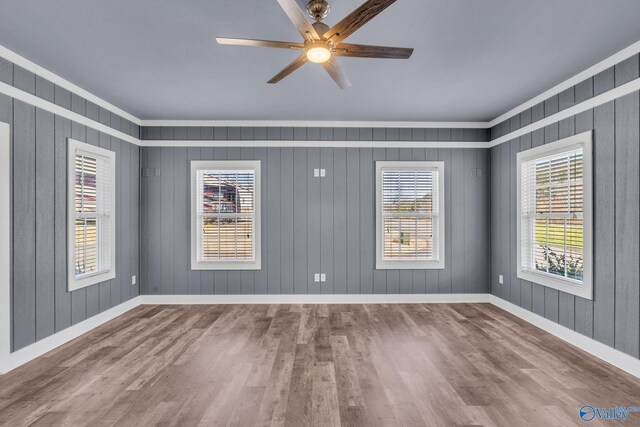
(296,15)
(297,63)
(261,43)
(366,51)
(356,19)
(335,71)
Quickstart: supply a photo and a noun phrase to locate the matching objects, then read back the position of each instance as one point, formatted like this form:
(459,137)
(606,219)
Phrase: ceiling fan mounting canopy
(322,44)
(318,9)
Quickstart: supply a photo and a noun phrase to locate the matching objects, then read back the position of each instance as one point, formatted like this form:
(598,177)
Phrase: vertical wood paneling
(367,220)
(45,226)
(339,207)
(62,297)
(300,221)
(456,262)
(515,288)
(167,279)
(181,220)
(525,285)
(326,219)
(627,191)
(286,220)
(273,220)
(24,224)
(313,220)
(353,220)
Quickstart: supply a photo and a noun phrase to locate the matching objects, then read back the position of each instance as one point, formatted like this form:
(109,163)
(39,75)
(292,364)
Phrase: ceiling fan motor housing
(318,9)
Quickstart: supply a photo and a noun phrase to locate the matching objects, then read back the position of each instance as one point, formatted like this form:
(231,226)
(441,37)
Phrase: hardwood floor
(297,365)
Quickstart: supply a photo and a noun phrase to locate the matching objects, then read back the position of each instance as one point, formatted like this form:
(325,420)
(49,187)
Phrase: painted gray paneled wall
(313,134)
(613,317)
(41,304)
(312,225)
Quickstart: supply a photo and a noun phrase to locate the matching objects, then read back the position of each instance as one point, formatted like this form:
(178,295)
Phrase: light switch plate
(316,277)
(133,280)
(323,277)
(323,173)
(500,279)
(316,173)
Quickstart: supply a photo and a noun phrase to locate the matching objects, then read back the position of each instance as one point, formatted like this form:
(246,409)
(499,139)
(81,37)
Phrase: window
(409,215)
(554,215)
(91,215)
(225,215)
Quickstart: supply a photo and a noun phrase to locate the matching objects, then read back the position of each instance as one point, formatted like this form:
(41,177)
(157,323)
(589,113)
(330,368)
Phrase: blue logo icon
(587,413)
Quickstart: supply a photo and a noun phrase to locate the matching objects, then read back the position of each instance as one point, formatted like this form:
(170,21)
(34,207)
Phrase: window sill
(409,265)
(584,290)
(226,265)
(89,280)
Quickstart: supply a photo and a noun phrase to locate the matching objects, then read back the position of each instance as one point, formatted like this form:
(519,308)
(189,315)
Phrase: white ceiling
(473,59)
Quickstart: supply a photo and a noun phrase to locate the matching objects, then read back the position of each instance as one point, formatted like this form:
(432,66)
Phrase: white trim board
(334,144)
(5,242)
(23,62)
(30,99)
(611,95)
(601,351)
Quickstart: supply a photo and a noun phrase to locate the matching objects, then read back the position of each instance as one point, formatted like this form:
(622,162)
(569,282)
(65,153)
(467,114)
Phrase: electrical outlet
(133,280)
(316,277)
(316,173)
(323,277)
(323,173)
(500,279)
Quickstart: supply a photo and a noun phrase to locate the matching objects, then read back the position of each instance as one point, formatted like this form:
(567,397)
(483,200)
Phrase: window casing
(555,205)
(91,215)
(225,215)
(410,215)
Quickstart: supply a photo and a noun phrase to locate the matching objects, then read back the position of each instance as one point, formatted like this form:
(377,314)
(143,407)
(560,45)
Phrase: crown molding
(315,123)
(326,144)
(23,62)
(609,62)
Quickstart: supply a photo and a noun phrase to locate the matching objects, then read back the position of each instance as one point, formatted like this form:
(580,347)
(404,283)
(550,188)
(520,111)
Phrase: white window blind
(91,216)
(553,214)
(225,215)
(409,218)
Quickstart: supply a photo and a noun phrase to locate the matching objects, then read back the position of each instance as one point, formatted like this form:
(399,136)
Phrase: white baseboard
(11,361)
(610,355)
(602,351)
(316,299)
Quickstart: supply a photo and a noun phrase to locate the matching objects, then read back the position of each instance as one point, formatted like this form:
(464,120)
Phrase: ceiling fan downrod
(318,9)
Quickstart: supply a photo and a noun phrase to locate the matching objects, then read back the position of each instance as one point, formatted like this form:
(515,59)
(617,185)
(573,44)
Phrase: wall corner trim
(602,351)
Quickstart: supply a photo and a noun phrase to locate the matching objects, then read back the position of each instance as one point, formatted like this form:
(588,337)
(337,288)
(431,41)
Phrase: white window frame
(79,282)
(385,264)
(256,263)
(582,289)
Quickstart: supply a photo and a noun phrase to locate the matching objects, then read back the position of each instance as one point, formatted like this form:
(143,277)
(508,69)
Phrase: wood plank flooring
(323,365)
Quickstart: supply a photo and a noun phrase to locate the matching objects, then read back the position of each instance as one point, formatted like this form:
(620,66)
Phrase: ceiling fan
(322,44)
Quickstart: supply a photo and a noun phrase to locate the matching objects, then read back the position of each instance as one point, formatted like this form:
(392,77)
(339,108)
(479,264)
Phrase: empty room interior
(319,212)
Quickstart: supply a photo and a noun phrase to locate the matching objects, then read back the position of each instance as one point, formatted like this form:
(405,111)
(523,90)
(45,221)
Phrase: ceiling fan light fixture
(318,52)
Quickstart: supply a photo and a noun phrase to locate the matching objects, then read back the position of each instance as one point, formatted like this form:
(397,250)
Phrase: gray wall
(312,225)
(613,317)
(41,304)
